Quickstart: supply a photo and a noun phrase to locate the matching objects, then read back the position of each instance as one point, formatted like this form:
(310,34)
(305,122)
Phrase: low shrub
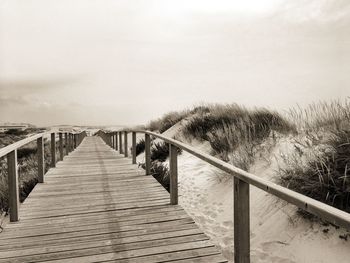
(160,172)
(159,151)
(16,132)
(324,177)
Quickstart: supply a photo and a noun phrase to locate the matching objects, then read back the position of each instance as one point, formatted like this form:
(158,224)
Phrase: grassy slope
(27,166)
(318,164)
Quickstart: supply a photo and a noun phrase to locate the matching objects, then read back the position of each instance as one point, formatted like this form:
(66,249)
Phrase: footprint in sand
(227,223)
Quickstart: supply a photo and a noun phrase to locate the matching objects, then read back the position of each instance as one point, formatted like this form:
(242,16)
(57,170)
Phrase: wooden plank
(12,175)
(241,221)
(53,150)
(148,154)
(173,175)
(134,148)
(126,150)
(61,145)
(14,146)
(96,206)
(40,156)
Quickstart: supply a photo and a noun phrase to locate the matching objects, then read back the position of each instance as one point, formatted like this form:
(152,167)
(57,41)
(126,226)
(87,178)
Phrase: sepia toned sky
(115,62)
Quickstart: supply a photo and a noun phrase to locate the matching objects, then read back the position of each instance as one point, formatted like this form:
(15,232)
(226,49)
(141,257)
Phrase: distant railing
(242,180)
(71,141)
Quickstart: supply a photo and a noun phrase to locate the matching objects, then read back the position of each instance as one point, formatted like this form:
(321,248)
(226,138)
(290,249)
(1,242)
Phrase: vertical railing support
(41,164)
(173,175)
(116,141)
(53,150)
(12,174)
(241,221)
(148,154)
(70,142)
(61,146)
(120,143)
(66,142)
(133,147)
(75,140)
(126,151)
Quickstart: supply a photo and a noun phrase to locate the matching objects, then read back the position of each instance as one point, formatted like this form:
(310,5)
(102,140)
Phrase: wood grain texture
(97,207)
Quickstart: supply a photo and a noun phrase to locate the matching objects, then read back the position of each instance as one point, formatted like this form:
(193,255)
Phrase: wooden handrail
(242,181)
(10,152)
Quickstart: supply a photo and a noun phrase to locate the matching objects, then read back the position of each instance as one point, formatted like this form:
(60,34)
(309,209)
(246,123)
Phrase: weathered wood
(116,141)
(7,149)
(241,221)
(61,145)
(322,210)
(104,216)
(12,173)
(66,144)
(53,150)
(126,150)
(41,163)
(147,154)
(75,140)
(134,147)
(120,143)
(173,175)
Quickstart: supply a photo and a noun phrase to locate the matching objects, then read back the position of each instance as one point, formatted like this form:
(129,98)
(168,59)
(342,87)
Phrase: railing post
(120,143)
(241,221)
(133,147)
(41,164)
(66,142)
(148,154)
(70,142)
(126,144)
(116,141)
(12,174)
(53,150)
(75,140)
(61,146)
(173,175)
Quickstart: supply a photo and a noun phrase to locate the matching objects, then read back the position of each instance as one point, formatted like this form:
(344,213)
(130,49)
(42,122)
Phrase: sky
(125,62)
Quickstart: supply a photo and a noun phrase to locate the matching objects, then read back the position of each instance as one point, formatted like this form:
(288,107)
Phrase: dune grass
(320,165)
(234,131)
(167,121)
(317,167)
(27,170)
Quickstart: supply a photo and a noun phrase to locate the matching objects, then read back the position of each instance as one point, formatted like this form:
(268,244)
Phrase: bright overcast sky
(127,61)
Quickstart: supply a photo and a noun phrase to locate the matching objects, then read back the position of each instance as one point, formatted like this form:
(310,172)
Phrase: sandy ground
(278,232)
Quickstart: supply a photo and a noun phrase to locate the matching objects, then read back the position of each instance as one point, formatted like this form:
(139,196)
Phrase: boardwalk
(97,207)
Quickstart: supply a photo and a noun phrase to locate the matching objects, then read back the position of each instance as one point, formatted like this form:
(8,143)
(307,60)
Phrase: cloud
(7,101)
(30,85)
(322,11)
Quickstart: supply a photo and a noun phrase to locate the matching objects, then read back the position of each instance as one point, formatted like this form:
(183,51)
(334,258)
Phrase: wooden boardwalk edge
(96,206)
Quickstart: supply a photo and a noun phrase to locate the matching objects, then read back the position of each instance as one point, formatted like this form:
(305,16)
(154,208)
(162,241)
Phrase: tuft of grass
(160,172)
(234,131)
(324,177)
(333,115)
(140,147)
(159,151)
(167,121)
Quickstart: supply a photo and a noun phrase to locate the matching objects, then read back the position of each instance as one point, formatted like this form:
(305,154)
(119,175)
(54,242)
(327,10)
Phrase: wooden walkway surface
(97,207)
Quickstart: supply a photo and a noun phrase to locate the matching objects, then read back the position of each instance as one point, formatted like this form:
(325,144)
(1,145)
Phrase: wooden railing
(71,141)
(242,181)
